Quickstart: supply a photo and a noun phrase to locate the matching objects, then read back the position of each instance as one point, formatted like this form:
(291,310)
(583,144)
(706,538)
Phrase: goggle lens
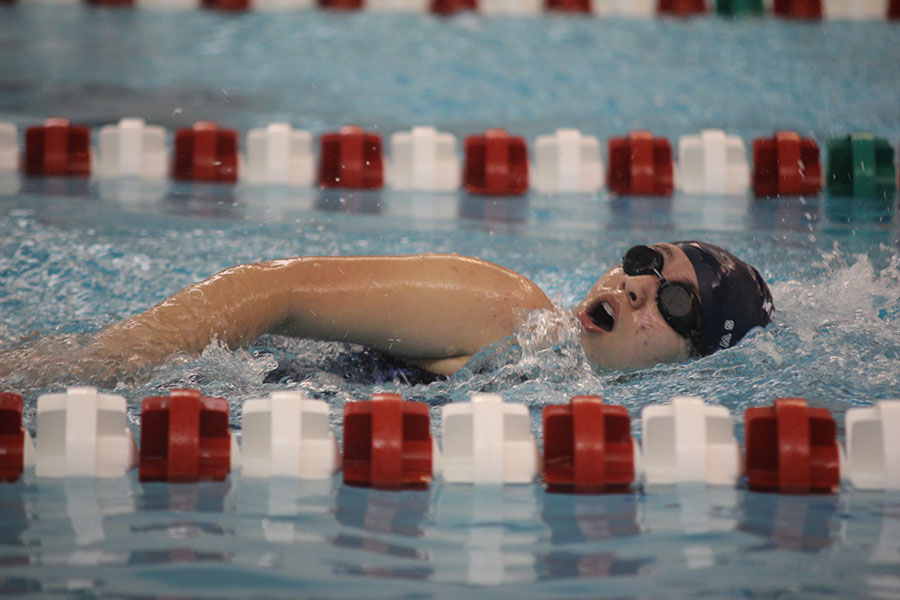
(677,303)
(676,300)
(642,260)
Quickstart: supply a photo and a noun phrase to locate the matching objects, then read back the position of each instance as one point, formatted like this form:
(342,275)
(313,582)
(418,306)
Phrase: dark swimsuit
(363,367)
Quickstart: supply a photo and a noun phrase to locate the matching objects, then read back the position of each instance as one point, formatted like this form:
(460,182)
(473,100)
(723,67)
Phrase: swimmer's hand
(70,360)
(59,359)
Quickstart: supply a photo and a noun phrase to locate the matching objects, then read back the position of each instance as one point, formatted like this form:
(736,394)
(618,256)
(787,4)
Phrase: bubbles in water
(837,333)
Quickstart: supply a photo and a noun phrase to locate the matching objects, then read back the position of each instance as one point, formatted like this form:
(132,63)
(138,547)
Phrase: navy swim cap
(733,296)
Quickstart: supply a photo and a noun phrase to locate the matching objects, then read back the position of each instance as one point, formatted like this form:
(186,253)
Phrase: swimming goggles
(677,302)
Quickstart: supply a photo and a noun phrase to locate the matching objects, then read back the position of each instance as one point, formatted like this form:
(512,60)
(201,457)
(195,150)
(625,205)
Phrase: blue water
(78,255)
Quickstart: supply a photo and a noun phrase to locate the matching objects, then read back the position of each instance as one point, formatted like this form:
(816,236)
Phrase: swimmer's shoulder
(521,290)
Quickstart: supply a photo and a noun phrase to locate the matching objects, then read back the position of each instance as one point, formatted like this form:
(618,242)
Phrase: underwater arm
(434,310)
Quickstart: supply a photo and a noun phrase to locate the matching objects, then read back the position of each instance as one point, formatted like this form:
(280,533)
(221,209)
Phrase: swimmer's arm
(434,310)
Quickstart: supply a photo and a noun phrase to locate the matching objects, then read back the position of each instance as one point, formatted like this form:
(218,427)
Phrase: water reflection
(423,205)
(16,513)
(275,203)
(586,534)
(679,212)
(875,531)
(181,520)
(133,193)
(716,213)
(72,530)
(10,183)
(197,199)
(206,497)
(859,210)
(278,508)
(352,202)
(488,534)
(88,535)
(806,523)
(380,524)
(791,214)
(89,507)
(640,213)
(695,512)
(510,210)
(56,186)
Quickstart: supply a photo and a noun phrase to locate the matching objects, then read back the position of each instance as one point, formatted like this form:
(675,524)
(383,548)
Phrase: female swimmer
(664,303)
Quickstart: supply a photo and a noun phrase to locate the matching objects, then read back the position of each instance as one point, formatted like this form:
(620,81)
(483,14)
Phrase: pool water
(78,255)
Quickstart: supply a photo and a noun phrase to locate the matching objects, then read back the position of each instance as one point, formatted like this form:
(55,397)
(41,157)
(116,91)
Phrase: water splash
(835,339)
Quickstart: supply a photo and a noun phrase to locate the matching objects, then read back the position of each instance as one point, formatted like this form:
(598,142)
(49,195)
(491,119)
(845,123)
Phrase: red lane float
(791,448)
(184,438)
(587,446)
(801,9)
(449,7)
(58,148)
(351,158)
(227,4)
(894,10)
(786,165)
(341,4)
(496,164)
(12,437)
(205,153)
(640,164)
(570,6)
(387,443)
(681,8)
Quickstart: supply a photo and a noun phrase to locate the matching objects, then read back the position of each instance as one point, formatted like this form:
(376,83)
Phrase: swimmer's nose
(638,289)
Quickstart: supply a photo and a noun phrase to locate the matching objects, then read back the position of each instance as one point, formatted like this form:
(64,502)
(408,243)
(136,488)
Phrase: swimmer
(664,303)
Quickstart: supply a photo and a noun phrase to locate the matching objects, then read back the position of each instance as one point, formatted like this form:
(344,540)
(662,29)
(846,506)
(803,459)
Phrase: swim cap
(733,296)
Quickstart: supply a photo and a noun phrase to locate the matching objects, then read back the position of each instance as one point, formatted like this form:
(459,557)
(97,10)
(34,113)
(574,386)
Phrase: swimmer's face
(621,326)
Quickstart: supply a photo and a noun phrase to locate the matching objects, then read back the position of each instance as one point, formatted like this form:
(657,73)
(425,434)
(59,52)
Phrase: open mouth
(601,316)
